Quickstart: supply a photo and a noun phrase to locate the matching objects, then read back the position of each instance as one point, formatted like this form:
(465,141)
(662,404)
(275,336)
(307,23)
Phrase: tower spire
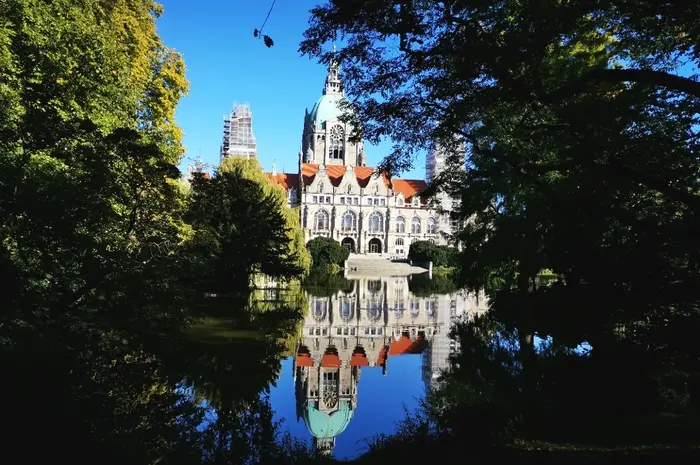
(333,84)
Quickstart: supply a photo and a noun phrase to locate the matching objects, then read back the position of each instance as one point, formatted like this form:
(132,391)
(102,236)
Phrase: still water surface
(363,356)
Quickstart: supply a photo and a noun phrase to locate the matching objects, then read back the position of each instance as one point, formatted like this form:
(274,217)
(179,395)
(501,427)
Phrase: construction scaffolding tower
(239,140)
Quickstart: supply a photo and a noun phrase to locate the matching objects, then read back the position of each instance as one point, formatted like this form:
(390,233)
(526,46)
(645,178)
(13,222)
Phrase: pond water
(364,355)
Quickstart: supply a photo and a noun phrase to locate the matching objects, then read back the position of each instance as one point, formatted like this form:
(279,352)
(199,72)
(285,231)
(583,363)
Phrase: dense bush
(426,251)
(326,252)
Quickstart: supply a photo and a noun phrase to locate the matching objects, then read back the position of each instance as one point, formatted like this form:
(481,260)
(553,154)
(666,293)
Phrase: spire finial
(333,84)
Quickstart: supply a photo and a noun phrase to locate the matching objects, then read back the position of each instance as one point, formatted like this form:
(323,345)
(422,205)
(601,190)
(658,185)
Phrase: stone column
(360,227)
(334,235)
(387,228)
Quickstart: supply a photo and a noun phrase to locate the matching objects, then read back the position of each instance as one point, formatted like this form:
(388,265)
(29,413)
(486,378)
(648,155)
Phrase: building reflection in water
(379,319)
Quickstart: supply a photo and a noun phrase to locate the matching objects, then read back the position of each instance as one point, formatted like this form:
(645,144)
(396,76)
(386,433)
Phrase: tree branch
(640,76)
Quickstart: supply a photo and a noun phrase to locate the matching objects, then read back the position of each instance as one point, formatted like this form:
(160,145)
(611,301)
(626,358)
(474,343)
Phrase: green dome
(321,425)
(326,108)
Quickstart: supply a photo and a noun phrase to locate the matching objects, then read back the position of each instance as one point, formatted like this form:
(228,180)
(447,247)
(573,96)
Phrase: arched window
(415,308)
(399,201)
(399,241)
(349,222)
(320,307)
(400,224)
(321,220)
(375,311)
(431,226)
(336,143)
(375,222)
(415,225)
(293,195)
(347,311)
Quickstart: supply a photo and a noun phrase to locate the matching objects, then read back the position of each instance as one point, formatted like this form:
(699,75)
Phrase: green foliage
(250,169)
(88,165)
(581,147)
(422,285)
(96,259)
(241,231)
(427,251)
(326,252)
(581,140)
(320,283)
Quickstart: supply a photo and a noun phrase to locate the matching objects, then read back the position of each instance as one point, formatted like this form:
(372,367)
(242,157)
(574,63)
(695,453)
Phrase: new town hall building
(338,196)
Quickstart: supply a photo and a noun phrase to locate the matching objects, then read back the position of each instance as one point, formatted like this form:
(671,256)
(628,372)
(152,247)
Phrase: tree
(250,169)
(241,231)
(91,221)
(427,251)
(582,143)
(561,105)
(89,151)
(326,252)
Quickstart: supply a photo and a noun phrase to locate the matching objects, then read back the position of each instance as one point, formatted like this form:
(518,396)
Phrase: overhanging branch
(640,76)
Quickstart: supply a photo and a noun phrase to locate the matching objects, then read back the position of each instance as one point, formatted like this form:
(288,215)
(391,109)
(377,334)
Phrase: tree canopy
(244,227)
(427,251)
(580,120)
(96,256)
(326,252)
(89,152)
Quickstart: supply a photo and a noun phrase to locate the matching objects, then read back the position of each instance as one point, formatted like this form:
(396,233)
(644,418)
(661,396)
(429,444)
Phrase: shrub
(426,251)
(326,252)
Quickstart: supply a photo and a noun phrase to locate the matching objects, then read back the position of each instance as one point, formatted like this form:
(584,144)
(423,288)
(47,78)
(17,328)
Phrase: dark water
(329,366)
(363,356)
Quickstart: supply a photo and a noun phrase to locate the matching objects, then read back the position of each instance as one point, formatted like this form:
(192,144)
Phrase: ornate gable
(376,185)
(336,173)
(348,183)
(321,182)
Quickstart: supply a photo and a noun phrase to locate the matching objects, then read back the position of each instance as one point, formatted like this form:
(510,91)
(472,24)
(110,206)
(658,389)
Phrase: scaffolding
(239,140)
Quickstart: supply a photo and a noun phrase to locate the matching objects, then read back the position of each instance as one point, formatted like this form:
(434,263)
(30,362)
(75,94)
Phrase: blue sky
(226,64)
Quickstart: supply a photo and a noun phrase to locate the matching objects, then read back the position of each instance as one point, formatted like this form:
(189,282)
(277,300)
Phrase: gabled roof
(285,180)
(336,172)
(409,187)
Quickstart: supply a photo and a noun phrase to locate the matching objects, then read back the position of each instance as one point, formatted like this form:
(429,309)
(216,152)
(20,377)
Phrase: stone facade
(341,198)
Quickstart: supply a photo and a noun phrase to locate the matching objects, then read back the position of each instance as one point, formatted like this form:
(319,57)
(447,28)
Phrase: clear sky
(226,64)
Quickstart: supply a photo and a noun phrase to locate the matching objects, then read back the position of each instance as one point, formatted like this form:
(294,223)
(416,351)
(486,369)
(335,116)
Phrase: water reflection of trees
(100,396)
(424,285)
(327,285)
(523,376)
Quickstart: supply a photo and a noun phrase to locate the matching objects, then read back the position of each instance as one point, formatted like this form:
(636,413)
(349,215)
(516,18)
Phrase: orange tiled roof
(406,346)
(336,172)
(286,180)
(409,187)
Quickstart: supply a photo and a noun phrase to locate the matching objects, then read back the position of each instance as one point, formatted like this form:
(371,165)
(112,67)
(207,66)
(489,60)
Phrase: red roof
(330,361)
(406,346)
(286,180)
(409,187)
(336,172)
